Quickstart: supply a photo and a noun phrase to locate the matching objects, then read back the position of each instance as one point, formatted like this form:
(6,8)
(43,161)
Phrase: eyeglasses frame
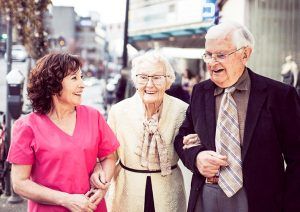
(218,60)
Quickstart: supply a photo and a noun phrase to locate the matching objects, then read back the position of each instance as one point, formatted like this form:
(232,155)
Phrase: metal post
(125,55)
(7,191)
(14,198)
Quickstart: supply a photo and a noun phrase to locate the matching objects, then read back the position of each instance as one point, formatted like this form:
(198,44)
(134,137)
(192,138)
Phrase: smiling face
(225,74)
(151,93)
(72,89)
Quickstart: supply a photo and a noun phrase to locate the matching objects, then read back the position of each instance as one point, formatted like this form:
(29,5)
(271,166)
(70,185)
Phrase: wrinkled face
(72,89)
(151,90)
(225,73)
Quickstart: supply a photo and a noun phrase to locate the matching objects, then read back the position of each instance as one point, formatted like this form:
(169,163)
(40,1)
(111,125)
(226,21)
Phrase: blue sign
(209,9)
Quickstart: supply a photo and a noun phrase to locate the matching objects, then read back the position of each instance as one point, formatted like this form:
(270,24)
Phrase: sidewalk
(7,207)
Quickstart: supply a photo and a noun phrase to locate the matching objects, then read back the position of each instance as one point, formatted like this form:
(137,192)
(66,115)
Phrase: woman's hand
(78,203)
(98,178)
(95,195)
(191,140)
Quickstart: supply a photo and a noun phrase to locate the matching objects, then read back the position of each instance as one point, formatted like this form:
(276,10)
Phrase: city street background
(107,35)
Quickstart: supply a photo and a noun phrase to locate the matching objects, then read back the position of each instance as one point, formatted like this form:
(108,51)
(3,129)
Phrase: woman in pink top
(55,148)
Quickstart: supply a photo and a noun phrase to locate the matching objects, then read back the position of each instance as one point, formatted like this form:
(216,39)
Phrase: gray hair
(240,35)
(153,58)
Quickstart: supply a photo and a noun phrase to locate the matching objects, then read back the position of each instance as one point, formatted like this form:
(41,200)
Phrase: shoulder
(175,102)
(124,104)
(26,124)
(89,115)
(28,120)
(87,110)
(272,86)
(174,106)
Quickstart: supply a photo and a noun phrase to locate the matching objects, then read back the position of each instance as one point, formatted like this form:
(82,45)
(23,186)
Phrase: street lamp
(14,198)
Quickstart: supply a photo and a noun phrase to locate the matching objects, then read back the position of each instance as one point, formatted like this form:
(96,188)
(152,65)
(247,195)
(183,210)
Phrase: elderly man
(246,125)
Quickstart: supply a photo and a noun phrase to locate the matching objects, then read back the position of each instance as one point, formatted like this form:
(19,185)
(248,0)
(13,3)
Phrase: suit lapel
(210,115)
(257,98)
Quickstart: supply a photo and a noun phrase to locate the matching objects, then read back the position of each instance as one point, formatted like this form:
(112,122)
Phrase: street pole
(125,53)
(7,183)
(14,198)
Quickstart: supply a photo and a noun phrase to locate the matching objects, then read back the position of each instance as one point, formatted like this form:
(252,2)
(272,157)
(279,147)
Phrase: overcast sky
(111,11)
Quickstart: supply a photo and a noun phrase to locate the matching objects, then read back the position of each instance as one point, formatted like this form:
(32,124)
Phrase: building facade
(183,24)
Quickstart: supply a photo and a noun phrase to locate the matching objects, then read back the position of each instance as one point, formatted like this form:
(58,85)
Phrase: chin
(149,101)
(77,103)
(219,82)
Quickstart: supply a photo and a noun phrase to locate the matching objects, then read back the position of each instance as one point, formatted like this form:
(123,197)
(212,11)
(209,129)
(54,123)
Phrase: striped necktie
(228,143)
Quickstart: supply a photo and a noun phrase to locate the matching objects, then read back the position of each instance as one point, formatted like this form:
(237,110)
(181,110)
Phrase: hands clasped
(209,163)
(81,202)
(89,201)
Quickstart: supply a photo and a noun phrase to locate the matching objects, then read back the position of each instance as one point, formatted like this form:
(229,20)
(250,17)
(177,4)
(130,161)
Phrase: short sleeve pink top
(60,161)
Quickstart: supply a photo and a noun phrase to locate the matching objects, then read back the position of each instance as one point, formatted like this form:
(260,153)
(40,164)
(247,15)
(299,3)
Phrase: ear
(246,54)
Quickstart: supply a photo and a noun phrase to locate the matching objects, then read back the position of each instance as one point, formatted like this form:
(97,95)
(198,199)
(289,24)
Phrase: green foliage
(28,20)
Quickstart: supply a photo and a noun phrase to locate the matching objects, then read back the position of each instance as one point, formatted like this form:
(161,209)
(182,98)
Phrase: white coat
(127,191)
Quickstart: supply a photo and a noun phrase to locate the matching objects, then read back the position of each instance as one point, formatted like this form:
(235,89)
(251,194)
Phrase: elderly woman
(148,178)
(55,148)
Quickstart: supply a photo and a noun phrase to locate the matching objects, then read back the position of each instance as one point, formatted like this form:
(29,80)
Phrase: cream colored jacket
(127,191)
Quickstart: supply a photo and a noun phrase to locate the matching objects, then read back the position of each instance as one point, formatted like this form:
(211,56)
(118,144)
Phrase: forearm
(38,193)
(108,165)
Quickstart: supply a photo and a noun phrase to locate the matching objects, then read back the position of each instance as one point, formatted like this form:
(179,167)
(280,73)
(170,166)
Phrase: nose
(81,84)
(213,60)
(149,82)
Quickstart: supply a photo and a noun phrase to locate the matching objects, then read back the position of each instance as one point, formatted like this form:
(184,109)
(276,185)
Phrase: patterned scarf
(152,149)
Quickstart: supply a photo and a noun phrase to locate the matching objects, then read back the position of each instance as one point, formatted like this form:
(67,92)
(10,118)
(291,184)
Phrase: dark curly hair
(46,78)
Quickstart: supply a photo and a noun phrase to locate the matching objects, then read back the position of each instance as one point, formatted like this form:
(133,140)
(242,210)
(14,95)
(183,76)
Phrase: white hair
(240,35)
(154,58)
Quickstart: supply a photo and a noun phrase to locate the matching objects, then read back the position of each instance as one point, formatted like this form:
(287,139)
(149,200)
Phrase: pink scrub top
(60,161)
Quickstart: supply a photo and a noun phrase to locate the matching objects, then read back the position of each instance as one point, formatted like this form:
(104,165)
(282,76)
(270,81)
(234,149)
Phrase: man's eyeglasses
(219,57)
(142,79)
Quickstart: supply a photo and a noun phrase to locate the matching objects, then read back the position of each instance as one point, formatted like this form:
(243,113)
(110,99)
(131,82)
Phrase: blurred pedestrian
(247,127)
(183,90)
(147,177)
(290,73)
(55,148)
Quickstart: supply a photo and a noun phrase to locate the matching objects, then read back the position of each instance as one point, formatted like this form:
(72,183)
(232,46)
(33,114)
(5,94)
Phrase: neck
(152,108)
(61,111)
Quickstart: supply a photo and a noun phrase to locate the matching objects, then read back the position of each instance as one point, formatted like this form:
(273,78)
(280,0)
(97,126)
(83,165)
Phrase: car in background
(18,53)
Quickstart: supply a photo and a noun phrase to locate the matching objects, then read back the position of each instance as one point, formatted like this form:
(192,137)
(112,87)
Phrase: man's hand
(191,140)
(209,163)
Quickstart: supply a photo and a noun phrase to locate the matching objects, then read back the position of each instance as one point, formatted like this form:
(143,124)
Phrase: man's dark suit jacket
(272,136)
